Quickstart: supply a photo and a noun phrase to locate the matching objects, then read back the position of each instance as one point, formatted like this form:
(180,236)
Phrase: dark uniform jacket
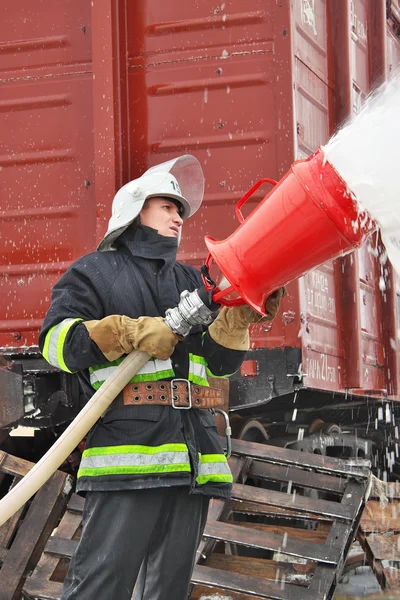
(133,447)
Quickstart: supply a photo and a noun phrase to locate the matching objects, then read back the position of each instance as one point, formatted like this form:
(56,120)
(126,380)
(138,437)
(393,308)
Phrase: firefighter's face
(163,215)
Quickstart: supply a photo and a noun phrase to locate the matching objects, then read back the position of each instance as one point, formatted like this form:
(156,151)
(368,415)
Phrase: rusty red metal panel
(359,52)
(47,212)
(323,354)
(373,355)
(377,41)
(350,42)
(249,368)
(312,77)
(390,333)
(311,37)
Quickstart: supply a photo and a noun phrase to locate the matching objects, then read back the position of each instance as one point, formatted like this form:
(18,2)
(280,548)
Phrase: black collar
(146,242)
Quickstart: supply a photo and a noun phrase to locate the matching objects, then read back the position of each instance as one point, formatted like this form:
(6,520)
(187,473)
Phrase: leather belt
(178,393)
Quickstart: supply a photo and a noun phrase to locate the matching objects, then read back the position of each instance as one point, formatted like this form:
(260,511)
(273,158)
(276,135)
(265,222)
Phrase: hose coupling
(190,311)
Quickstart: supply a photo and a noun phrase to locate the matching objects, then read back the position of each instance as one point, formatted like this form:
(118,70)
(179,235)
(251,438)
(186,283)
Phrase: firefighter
(150,464)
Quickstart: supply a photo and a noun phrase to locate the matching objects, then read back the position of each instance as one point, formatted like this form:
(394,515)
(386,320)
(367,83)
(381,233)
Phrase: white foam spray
(366,154)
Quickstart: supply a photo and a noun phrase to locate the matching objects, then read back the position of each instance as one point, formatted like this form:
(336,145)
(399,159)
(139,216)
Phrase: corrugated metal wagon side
(47,216)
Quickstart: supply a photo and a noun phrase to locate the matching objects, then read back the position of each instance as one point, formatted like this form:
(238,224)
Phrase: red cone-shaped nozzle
(309,217)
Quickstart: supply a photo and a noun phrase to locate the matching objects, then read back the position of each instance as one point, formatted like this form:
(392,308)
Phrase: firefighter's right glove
(117,335)
(231,328)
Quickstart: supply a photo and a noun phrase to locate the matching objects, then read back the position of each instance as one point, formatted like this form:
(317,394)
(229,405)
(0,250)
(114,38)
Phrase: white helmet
(181,179)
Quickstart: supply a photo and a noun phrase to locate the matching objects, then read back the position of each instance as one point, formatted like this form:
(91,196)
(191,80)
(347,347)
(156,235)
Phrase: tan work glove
(117,335)
(231,328)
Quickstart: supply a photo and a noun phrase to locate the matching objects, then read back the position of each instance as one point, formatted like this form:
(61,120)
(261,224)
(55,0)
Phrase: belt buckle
(189,394)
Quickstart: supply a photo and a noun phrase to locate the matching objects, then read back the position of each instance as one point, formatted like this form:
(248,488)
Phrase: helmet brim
(186,209)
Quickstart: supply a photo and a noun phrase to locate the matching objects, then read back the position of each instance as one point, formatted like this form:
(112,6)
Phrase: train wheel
(253,431)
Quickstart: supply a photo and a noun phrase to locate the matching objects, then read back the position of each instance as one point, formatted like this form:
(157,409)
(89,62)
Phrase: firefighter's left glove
(117,335)
(231,328)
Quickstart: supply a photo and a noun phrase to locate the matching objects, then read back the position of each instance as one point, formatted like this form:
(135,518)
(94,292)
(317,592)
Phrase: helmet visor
(188,172)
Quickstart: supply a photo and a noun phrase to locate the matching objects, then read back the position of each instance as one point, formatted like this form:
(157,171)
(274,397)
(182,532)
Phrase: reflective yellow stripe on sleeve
(53,350)
(154,370)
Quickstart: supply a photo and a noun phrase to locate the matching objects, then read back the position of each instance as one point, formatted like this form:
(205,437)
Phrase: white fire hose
(190,311)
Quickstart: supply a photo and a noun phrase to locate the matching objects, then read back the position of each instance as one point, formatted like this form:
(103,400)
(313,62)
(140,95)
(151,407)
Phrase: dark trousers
(142,539)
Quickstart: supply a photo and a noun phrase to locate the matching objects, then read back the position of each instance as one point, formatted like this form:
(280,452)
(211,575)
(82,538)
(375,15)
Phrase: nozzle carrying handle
(219,296)
(250,193)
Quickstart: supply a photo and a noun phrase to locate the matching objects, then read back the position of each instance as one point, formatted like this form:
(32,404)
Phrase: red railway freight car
(94,92)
